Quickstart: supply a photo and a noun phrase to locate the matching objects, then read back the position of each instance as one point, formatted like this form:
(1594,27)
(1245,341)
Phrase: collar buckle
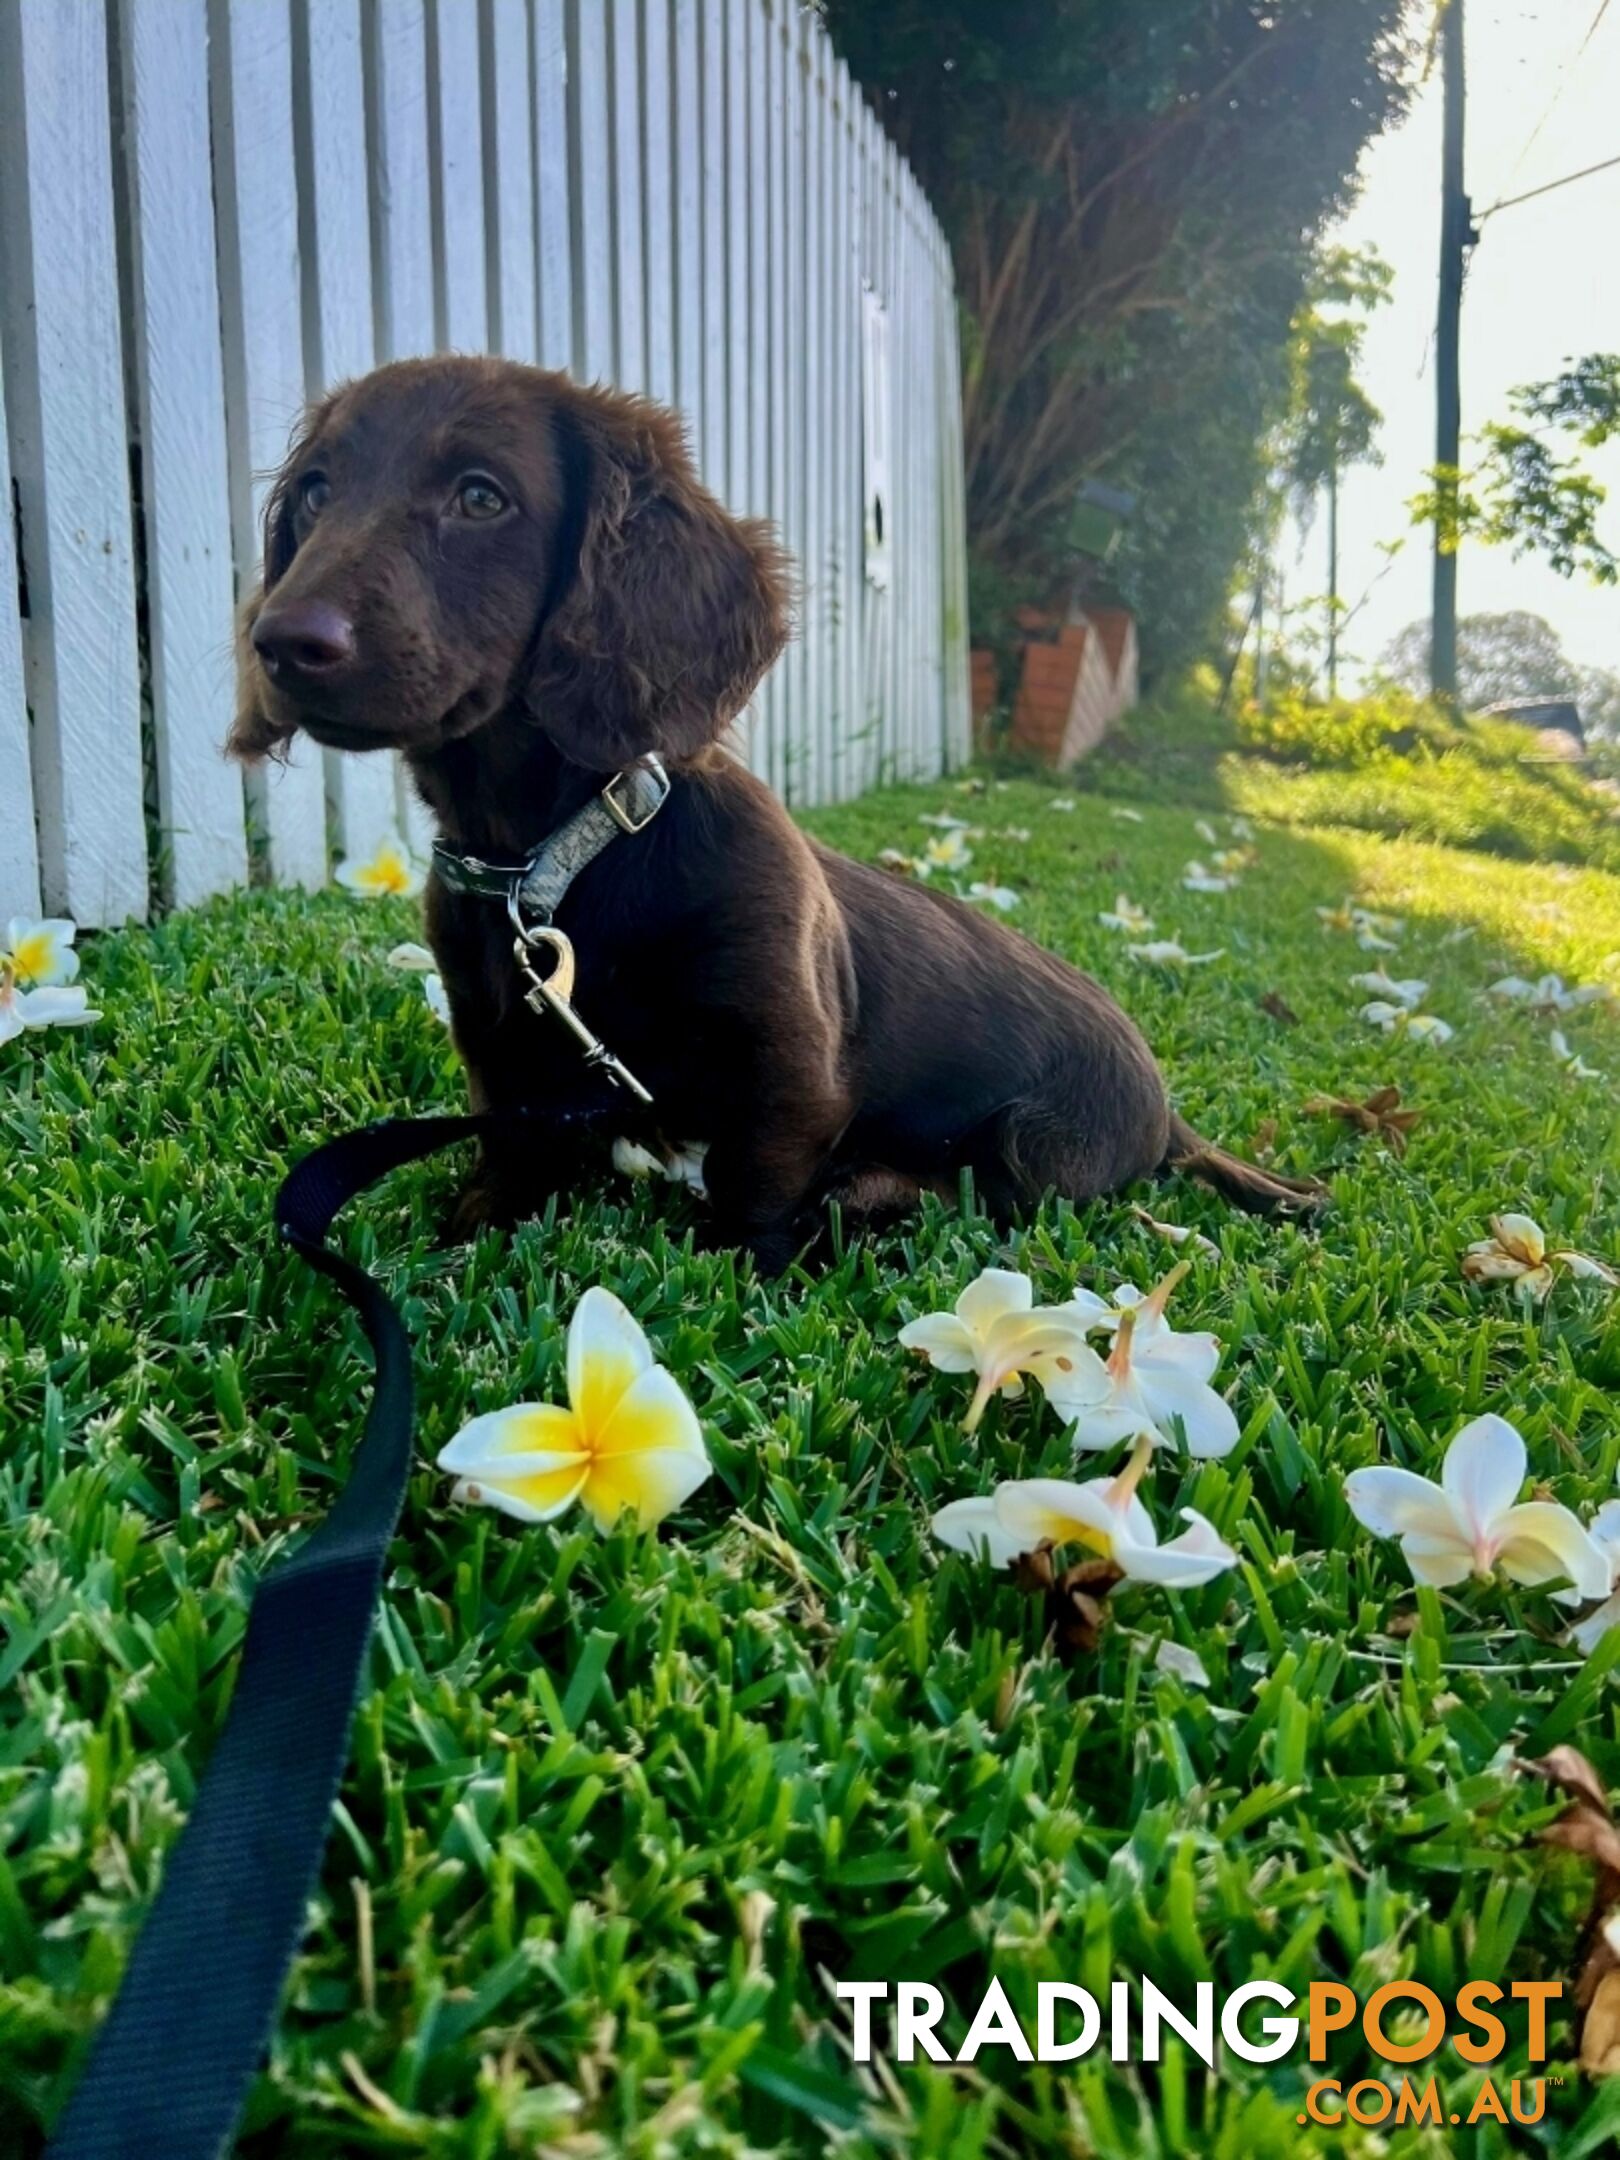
(621,811)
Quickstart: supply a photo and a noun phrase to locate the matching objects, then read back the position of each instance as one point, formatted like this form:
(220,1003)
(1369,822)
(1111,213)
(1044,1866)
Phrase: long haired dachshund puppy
(522,586)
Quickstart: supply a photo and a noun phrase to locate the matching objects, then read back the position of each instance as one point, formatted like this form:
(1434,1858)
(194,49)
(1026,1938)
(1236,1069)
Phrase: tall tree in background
(1330,422)
(1133,194)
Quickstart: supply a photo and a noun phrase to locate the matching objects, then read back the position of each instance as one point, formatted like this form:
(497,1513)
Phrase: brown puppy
(522,586)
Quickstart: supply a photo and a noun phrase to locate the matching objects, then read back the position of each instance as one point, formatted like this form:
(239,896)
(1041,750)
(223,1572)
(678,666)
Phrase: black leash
(169,2070)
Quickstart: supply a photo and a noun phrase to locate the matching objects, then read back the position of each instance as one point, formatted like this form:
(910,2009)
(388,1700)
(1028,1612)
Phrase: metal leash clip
(553,993)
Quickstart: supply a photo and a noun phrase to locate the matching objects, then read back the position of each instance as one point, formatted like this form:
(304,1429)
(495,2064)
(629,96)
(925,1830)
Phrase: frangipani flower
(41,953)
(1125,817)
(1242,829)
(1473,1522)
(1398,1020)
(1547,994)
(1379,984)
(1001,897)
(1174,1233)
(1166,952)
(1103,1514)
(1229,861)
(681,1166)
(1156,1377)
(628,1439)
(416,959)
(949,852)
(1197,878)
(389,869)
(1061,803)
(1126,915)
(1571,1060)
(1517,1252)
(1604,1531)
(944,820)
(997,1332)
(53,1006)
(1372,932)
(438,998)
(1206,832)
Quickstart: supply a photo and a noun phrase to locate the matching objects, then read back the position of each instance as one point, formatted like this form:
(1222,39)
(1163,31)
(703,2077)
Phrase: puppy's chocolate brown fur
(521,585)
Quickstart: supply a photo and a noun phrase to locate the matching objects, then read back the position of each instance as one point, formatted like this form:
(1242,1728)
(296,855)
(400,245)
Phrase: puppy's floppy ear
(255,734)
(667,611)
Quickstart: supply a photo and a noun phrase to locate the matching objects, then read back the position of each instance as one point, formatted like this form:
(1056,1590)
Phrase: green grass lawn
(620,1809)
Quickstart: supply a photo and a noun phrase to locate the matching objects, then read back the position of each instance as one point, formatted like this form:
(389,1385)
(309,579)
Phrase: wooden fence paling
(19,853)
(553,190)
(261,310)
(685,196)
(329,123)
(172,300)
(509,187)
(69,458)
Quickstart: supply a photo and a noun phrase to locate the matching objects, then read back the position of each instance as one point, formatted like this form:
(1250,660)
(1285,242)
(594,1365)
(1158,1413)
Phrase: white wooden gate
(210,209)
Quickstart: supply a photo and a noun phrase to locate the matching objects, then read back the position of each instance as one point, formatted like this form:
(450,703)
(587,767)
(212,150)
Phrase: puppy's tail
(1246,1185)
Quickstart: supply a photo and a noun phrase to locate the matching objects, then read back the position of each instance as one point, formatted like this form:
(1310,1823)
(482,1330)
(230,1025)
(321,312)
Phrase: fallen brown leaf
(1075,1608)
(1380,1114)
(1587,1827)
(1279,1008)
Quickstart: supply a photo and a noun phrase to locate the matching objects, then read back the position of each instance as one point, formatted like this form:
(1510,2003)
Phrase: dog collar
(628,804)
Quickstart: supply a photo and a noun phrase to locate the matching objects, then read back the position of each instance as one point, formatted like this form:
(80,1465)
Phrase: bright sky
(1544,285)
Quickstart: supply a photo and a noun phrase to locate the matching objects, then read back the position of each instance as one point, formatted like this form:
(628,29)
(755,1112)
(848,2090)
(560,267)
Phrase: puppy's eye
(314,493)
(477,496)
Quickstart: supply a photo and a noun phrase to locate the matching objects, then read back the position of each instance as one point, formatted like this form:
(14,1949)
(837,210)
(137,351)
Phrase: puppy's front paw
(474,1210)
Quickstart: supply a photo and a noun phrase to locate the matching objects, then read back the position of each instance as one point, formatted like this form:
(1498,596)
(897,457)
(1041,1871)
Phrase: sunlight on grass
(622,1803)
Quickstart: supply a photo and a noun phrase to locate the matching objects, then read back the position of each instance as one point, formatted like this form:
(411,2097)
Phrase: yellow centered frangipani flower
(388,870)
(1517,1252)
(41,953)
(1126,915)
(629,1439)
(1473,1522)
(1158,1379)
(997,1332)
(1103,1514)
(55,1005)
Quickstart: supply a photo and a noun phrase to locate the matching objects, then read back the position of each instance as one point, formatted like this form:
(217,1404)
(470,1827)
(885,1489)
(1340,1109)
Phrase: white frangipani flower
(949,852)
(1473,1522)
(680,1166)
(1197,878)
(415,959)
(1000,897)
(1399,1020)
(1102,1514)
(1157,1378)
(438,998)
(1548,994)
(40,954)
(1379,984)
(1126,915)
(1206,832)
(389,871)
(1604,1530)
(1571,1060)
(56,1005)
(997,1332)
(1061,803)
(1174,1233)
(1517,1252)
(1167,952)
(944,821)
(629,1439)
(1125,816)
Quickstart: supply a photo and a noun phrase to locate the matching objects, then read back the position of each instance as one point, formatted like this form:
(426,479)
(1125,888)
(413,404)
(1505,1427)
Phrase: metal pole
(1455,236)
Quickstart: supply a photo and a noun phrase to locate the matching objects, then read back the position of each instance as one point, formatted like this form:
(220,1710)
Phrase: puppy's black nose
(304,637)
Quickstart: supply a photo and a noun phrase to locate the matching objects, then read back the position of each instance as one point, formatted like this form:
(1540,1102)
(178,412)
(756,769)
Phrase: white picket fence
(210,209)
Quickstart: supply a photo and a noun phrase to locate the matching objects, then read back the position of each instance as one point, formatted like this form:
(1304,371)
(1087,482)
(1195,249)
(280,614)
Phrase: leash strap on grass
(171,2067)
